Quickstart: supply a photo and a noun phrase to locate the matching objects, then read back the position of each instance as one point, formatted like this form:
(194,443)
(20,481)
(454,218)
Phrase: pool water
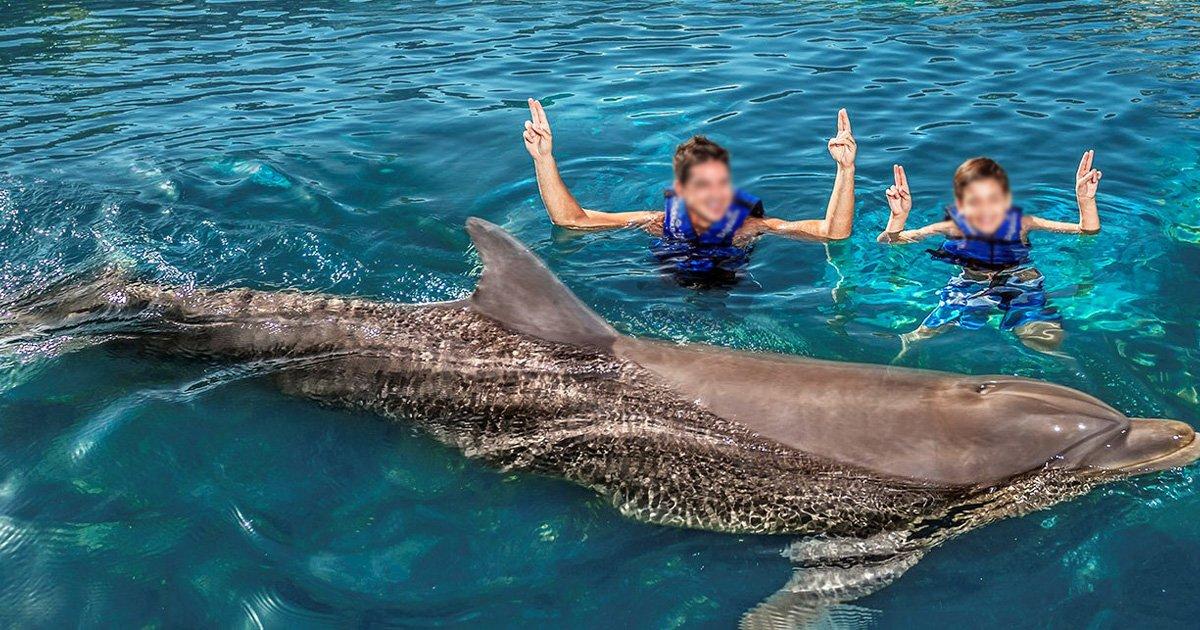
(339,146)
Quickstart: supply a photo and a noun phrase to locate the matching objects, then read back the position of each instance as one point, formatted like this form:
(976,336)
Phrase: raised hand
(898,196)
(537,136)
(842,147)
(1087,179)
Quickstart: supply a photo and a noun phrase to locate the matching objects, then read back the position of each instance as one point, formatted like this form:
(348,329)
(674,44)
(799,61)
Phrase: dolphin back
(932,427)
(519,292)
(919,425)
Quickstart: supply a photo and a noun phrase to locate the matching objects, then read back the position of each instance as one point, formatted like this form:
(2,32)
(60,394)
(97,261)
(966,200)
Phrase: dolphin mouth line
(1186,453)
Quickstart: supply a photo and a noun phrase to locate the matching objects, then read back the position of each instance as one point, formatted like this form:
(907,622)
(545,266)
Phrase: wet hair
(975,169)
(697,150)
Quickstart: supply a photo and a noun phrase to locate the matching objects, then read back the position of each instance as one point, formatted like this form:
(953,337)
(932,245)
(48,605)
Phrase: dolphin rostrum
(870,464)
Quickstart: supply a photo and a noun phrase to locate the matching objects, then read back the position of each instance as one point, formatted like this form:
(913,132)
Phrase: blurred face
(708,191)
(983,205)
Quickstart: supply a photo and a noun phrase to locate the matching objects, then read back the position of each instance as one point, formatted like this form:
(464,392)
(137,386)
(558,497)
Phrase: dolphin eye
(983,388)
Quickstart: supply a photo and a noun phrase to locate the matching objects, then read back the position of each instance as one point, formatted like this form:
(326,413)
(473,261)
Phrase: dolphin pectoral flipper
(830,572)
(817,596)
(519,292)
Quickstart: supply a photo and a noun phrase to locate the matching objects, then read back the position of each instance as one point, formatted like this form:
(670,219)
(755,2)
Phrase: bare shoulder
(1028,223)
(753,226)
(947,228)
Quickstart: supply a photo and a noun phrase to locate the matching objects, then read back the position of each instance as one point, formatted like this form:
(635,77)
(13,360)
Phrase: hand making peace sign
(537,132)
(1087,179)
(898,196)
(842,147)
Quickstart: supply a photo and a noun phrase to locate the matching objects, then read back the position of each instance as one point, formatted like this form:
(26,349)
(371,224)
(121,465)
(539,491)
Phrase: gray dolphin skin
(868,466)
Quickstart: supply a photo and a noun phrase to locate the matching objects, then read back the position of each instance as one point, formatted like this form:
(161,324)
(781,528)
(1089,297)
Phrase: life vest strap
(677,224)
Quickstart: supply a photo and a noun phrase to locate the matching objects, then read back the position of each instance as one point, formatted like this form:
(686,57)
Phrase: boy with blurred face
(987,237)
(706,225)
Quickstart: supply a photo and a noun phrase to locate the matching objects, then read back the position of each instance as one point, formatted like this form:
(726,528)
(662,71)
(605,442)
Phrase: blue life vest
(695,253)
(999,250)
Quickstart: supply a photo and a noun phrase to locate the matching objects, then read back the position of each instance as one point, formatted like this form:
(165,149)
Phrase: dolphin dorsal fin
(519,292)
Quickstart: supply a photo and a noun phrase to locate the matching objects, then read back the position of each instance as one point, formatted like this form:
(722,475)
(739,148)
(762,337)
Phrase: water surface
(339,146)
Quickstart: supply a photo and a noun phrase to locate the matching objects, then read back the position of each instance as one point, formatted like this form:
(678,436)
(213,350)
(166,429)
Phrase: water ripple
(338,147)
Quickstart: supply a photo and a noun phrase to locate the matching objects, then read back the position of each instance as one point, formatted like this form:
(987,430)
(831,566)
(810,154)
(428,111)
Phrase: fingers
(837,150)
(540,130)
(843,150)
(898,192)
(1090,177)
(533,110)
(540,122)
(1085,163)
(900,177)
(538,114)
(840,145)
(532,133)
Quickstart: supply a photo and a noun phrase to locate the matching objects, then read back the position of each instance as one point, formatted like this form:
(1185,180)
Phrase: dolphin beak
(1150,445)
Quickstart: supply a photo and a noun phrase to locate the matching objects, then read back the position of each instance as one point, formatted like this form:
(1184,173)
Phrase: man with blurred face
(706,225)
(988,238)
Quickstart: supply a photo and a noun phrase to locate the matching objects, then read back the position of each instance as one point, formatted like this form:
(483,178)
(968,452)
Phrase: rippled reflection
(339,146)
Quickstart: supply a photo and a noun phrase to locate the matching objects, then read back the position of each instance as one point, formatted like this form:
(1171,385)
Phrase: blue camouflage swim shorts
(969,298)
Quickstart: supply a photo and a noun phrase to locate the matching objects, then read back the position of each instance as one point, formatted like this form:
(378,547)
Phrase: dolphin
(868,465)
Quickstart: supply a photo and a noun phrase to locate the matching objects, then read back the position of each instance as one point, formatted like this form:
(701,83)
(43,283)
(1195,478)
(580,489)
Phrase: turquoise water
(339,146)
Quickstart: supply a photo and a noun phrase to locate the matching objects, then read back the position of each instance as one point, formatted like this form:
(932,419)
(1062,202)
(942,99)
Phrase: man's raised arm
(839,213)
(560,204)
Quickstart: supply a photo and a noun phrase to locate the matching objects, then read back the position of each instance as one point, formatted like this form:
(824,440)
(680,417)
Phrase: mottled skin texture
(524,404)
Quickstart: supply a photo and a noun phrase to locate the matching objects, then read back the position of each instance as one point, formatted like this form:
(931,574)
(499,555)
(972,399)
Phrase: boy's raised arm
(560,204)
(899,199)
(1087,181)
